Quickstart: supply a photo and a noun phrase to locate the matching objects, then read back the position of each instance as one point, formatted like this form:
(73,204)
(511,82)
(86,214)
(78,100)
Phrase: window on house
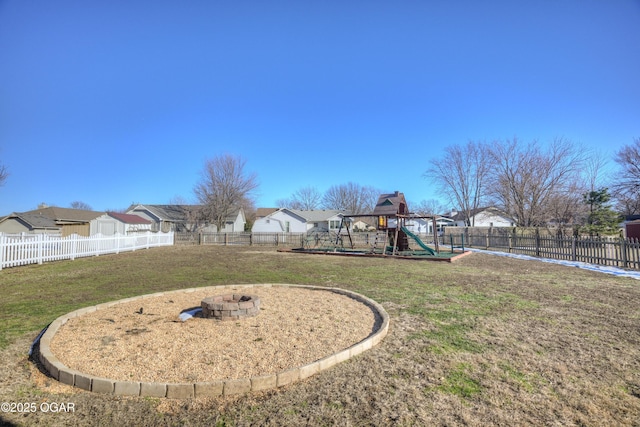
(286,226)
(334,224)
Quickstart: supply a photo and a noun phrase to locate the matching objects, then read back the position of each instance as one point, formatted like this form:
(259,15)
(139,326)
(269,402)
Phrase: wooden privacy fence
(610,251)
(25,249)
(359,239)
(624,253)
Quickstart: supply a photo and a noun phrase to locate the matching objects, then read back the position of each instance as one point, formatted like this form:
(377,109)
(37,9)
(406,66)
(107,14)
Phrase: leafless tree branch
(224,187)
(462,174)
(351,197)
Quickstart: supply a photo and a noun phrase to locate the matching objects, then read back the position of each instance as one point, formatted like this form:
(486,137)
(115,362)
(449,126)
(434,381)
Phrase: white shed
(119,223)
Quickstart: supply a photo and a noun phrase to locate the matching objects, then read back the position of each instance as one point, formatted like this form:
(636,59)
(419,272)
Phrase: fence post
(573,248)
(623,251)
(537,242)
(74,246)
(486,243)
(40,247)
(3,241)
(510,241)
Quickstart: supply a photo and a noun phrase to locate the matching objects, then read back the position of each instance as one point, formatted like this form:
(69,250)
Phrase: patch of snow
(586,266)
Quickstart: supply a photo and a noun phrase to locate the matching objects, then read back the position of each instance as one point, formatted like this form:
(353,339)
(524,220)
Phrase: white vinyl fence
(22,249)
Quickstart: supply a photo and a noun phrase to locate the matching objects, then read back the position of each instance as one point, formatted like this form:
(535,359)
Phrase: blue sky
(115,102)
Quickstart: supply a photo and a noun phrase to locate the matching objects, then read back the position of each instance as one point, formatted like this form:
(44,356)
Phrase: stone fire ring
(83,381)
(230,306)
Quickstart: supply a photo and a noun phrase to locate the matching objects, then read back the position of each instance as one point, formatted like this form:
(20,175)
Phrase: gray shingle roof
(65,214)
(35,221)
(315,215)
(170,212)
(175,213)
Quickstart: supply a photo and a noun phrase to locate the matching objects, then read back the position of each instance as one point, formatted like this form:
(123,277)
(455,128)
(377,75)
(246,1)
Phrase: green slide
(418,241)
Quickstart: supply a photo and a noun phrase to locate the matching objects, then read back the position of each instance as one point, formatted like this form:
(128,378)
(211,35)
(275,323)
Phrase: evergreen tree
(601,219)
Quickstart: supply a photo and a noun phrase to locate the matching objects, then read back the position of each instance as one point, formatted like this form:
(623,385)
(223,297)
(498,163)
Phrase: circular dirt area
(145,340)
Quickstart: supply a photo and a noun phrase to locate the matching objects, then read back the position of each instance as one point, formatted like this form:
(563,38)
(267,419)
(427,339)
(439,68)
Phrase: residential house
(167,218)
(234,222)
(185,218)
(425,225)
(120,223)
(263,212)
(24,222)
(63,221)
(483,217)
(364,224)
(298,221)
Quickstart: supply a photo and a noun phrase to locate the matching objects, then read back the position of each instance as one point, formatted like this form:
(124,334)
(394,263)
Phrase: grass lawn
(486,340)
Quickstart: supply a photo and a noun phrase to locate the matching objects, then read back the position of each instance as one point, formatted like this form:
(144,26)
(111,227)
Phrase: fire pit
(230,306)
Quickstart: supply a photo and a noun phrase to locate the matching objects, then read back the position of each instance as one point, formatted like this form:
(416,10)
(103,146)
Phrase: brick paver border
(204,389)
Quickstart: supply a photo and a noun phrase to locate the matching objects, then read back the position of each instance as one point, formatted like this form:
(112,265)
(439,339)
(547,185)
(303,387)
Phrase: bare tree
(566,209)
(224,187)
(80,205)
(462,174)
(178,200)
(306,198)
(627,203)
(527,177)
(594,166)
(4,173)
(285,203)
(351,197)
(627,183)
(428,207)
(118,210)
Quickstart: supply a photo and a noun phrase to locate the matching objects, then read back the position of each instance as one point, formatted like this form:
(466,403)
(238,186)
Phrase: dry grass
(484,341)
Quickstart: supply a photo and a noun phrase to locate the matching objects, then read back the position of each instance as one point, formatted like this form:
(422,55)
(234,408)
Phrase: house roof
(262,212)
(175,213)
(128,218)
(64,215)
(459,216)
(389,204)
(315,215)
(34,221)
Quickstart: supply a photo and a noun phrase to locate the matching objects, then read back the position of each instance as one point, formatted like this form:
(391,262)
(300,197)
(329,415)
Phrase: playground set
(392,239)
